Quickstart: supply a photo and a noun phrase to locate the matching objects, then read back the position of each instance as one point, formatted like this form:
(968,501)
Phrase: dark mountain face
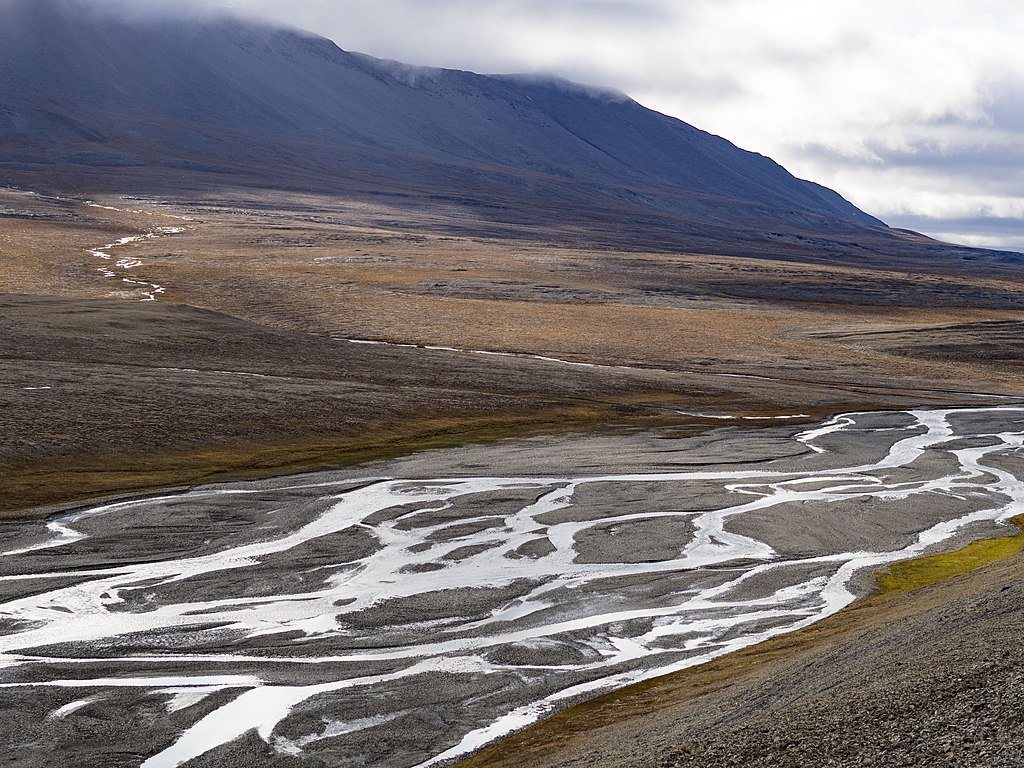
(88,99)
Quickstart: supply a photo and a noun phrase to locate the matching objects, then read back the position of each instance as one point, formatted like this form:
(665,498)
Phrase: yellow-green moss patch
(912,574)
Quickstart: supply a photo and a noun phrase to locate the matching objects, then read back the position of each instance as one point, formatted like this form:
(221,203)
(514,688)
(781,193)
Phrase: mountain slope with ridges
(84,88)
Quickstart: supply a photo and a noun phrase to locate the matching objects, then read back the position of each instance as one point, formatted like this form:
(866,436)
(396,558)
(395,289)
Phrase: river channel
(405,613)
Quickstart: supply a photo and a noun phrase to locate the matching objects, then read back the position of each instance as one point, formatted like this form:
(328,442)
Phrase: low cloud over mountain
(94,99)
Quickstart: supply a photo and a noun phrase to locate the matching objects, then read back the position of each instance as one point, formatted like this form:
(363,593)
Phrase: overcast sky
(912,109)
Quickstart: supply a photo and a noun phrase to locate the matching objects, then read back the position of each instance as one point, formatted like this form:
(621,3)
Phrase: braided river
(406,613)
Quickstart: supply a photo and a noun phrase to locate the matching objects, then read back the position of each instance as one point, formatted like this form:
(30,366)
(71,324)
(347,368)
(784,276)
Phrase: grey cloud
(994,232)
(1005,155)
(1006,104)
(847,45)
(999,159)
(666,85)
(626,11)
(973,225)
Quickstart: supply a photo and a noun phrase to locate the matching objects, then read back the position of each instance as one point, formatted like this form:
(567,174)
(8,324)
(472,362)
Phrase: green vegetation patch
(24,490)
(912,574)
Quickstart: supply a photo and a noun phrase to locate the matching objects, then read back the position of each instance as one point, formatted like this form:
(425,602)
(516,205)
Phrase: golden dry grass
(342,272)
(314,265)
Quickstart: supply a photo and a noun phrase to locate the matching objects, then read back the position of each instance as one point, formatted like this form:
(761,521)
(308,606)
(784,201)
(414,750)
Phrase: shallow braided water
(405,621)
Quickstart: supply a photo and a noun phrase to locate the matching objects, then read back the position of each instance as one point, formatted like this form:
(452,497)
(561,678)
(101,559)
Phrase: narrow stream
(121,267)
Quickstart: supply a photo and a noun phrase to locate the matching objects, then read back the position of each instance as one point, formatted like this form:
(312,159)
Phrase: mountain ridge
(178,105)
(91,89)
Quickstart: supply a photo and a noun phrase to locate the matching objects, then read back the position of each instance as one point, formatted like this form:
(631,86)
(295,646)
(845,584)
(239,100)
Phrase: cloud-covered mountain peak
(84,84)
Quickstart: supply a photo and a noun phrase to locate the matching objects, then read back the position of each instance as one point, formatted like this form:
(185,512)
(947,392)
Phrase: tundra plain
(263,298)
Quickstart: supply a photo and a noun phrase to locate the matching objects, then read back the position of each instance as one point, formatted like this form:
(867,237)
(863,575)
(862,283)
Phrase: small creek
(120,267)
